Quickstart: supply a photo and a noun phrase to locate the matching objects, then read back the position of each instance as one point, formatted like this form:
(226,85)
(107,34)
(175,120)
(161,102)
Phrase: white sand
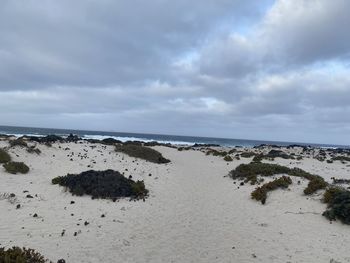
(193,213)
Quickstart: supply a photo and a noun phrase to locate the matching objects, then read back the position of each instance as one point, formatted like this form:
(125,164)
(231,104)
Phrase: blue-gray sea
(162,138)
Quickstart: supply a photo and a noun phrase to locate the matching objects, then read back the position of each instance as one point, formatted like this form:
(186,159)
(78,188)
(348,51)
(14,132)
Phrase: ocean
(173,139)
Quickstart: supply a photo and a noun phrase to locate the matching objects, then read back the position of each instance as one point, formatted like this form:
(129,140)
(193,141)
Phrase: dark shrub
(139,143)
(340,181)
(16,167)
(18,142)
(20,255)
(142,152)
(73,138)
(338,205)
(107,184)
(4,156)
(110,141)
(228,158)
(277,153)
(260,193)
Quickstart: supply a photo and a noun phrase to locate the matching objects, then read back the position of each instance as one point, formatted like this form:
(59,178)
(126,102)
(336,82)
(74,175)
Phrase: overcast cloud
(273,70)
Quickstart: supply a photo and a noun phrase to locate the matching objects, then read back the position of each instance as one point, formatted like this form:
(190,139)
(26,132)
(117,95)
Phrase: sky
(269,70)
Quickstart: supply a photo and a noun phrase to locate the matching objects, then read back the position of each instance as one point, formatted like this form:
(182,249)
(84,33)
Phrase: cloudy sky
(272,70)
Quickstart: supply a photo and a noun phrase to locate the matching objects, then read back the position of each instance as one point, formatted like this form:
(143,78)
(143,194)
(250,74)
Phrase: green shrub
(139,189)
(260,193)
(315,182)
(16,167)
(331,193)
(107,184)
(258,158)
(228,158)
(32,149)
(4,156)
(249,172)
(314,185)
(247,154)
(264,169)
(142,152)
(20,255)
(18,142)
(216,152)
(57,180)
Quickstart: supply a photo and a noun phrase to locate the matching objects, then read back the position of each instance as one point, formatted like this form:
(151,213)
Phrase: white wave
(124,139)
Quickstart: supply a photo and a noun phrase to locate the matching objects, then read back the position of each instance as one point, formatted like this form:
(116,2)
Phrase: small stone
(35,215)
(18,206)
(29,196)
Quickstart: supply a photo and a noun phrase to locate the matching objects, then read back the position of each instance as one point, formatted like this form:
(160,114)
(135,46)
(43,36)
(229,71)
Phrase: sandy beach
(194,211)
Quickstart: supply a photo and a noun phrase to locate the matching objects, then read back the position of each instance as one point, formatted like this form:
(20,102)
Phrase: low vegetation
(278,154)
(271,155)
(142,152)
(247,154)
(249,173)
(18,142)
(4,156)
(338,200)
(228,158)
(16,167)
(340,181)
(107,184)
(216,152)
(316,182)
(20,255)
(341,158)
(260,193)
(32,149)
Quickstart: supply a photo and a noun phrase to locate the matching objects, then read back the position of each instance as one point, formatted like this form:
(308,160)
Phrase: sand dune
(193,213)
